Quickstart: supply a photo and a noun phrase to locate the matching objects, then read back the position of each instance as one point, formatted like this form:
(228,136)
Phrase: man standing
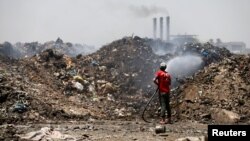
(163,81)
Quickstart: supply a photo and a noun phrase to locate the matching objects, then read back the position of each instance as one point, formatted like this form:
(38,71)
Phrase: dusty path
(118,130)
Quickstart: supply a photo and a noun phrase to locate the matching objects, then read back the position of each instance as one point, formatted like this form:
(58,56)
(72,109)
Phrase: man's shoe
(162,121)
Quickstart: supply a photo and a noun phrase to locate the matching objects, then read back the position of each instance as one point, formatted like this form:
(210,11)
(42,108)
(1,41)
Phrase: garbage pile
(217,94)
(21,50)
(111,83)
(208,52)
(7,50)
(20,96)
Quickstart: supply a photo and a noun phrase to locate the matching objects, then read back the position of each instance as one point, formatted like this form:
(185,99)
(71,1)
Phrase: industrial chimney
(155,27)
(161,28)
(167,28)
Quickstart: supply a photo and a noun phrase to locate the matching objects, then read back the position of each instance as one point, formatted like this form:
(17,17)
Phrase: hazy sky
(98,22)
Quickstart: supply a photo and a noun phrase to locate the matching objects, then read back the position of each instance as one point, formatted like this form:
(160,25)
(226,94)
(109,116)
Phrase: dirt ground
(98,130)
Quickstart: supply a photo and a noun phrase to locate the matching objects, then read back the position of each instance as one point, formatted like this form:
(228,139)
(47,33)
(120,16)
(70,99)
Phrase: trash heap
(20,96)
(21,50)
(111,83)
(217,94)
(7,50)
(208,52)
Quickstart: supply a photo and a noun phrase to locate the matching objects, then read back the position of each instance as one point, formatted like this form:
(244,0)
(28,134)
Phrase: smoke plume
(183,66)
(146,11)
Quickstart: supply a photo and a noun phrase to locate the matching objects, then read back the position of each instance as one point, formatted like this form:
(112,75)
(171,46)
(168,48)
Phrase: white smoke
(163,50)
(83,49)
(147,11)
(183,66)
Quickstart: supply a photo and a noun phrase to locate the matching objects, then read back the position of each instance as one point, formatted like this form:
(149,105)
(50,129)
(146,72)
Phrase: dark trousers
(164,100)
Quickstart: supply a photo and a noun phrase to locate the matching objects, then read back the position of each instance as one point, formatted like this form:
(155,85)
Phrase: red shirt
(164,81)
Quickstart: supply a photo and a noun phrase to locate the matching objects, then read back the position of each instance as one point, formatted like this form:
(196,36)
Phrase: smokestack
(161,28)
(155,27)
(167,28)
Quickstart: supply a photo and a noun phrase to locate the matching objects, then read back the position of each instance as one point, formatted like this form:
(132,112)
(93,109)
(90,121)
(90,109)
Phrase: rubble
(21,50)
(78,86)
(46,133)
(224,116)
(111,83)
(8,132)
(22,94)
(7,50)
(201,138)
(219,93)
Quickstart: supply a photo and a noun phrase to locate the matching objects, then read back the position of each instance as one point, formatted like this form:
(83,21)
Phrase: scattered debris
(202,138)
(224,116)
(21,50)
(160,129)
(115,81)
(218,93)
(8,132)
(47,133)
